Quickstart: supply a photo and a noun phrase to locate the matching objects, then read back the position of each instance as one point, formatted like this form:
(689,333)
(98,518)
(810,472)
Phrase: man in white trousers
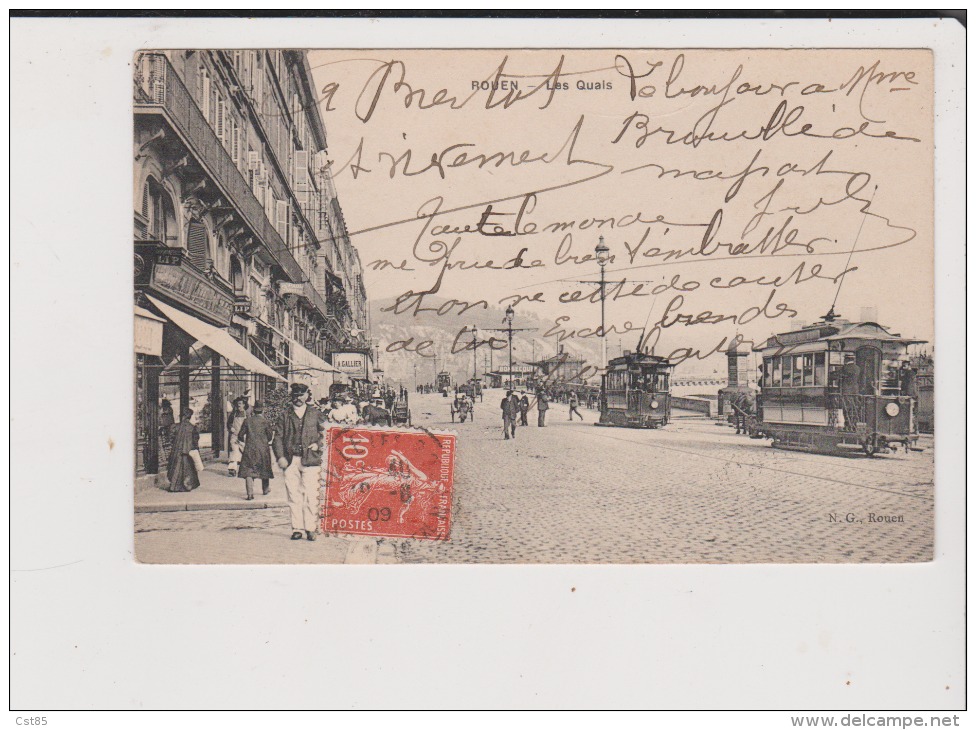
(297,445)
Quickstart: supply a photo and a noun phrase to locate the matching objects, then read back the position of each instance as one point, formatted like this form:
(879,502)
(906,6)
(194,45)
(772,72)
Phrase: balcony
(309,293)
(161,92)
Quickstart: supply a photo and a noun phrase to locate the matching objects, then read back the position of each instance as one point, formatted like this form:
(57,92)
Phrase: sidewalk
(217,490)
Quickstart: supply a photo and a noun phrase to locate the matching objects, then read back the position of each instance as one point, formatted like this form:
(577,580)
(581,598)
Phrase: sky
(733,189)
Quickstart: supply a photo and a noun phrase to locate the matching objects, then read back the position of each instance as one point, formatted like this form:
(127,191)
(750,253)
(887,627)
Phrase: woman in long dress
(180,469)
(234,423)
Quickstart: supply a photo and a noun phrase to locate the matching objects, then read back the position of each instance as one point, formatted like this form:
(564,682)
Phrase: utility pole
(510,331)
(474,349)
(603,258)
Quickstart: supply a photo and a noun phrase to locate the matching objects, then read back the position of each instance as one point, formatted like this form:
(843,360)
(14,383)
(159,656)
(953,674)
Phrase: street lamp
(603,258)
(474,339)
(509,318)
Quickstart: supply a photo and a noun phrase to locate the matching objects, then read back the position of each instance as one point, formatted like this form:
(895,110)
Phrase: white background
(92,629)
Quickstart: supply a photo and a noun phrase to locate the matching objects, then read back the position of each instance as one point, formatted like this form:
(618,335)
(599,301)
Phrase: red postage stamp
(388,483)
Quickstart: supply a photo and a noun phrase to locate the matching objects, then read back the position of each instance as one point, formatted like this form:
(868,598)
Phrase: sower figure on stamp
(542,403)
(524,409)
(296,446)
(255,439)
(509,413)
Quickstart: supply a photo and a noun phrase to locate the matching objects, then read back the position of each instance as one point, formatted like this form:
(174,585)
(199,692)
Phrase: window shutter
(281,221)
(234,141)
(198,246)
(260,180)
(205,92)
(158,224)
(158,79)
(302,187)
(220,118)
(212,116)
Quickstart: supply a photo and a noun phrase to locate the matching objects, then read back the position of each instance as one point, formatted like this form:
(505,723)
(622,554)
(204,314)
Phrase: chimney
(869,314)
(797,325)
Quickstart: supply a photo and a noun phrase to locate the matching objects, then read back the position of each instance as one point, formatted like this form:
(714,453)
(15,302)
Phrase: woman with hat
(234,423)
(181,470)
(254,441)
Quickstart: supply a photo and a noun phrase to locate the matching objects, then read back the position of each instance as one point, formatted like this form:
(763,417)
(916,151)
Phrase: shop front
(185,354)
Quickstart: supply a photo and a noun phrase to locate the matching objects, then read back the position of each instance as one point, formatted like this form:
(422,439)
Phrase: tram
(637,391)
(838,386)
(444,382)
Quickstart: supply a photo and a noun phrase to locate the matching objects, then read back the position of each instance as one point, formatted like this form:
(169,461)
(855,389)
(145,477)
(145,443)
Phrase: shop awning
(303,360)
(216,339)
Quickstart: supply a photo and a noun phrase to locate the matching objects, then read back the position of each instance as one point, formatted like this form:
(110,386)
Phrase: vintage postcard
(534,306)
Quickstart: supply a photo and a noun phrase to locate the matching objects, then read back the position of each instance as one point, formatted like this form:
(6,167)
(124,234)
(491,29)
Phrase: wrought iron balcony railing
(159,88)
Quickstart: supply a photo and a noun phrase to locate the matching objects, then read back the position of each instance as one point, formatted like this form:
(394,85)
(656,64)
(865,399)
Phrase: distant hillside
(399,366)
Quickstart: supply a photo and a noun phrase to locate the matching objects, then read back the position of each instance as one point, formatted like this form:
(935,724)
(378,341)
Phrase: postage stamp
(386,483)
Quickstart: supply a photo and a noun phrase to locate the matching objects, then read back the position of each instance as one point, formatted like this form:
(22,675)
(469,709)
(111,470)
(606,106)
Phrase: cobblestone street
(693,492)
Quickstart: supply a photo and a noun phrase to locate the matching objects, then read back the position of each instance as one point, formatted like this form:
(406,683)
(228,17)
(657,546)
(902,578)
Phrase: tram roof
(834,331)
(641,358)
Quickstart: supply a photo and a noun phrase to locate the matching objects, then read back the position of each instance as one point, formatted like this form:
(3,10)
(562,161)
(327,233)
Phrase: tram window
(777,370)
(818,369)
(808,369)
(797,370)
(665,382)
(787,371)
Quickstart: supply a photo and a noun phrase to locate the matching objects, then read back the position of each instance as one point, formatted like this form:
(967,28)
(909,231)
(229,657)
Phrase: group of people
(463,406)
(294,439)
(515,409)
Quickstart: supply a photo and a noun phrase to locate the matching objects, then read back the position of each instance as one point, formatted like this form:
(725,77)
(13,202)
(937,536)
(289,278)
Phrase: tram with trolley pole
(838,386)
(637,391)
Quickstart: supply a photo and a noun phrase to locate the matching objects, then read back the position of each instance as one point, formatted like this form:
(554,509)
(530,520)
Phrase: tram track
(778,470)
(792,456)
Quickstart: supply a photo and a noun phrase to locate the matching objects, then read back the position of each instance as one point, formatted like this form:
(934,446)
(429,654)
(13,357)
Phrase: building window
(198,245)
(158,211)
(236,275)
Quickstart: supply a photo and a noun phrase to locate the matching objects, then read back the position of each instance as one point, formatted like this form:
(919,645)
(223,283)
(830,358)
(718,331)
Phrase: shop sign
(148,336)
(194,291)
(351,363)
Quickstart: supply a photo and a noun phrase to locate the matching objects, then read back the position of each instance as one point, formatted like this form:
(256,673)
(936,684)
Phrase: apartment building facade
(244,273)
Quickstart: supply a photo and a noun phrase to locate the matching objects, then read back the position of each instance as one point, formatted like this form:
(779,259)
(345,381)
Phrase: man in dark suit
(510,412)
(297,447)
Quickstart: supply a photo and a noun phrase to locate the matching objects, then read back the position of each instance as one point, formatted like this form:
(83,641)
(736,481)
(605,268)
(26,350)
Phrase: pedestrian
(509,414)
(574,406)
(542,403)
(234,422)
(255,440)
(296,446)
(166,422)
(346,412)
(524,409)
(181,468)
